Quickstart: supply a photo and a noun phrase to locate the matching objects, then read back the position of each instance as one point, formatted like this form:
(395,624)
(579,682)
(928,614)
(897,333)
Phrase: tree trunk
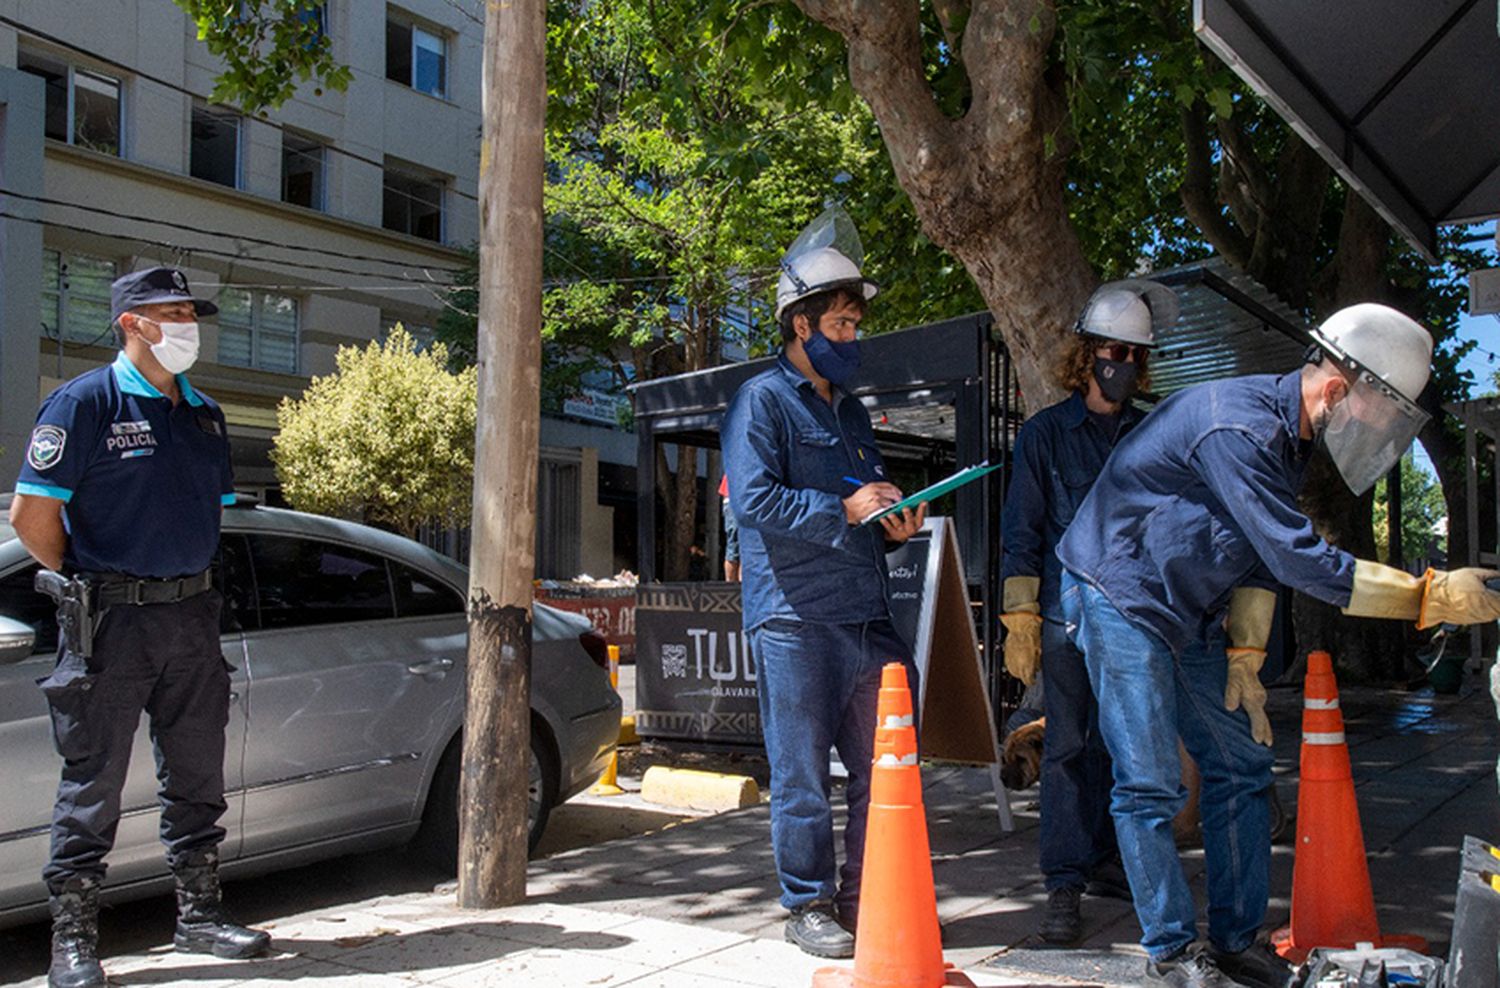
(987,186)
(682,512)
(497,726)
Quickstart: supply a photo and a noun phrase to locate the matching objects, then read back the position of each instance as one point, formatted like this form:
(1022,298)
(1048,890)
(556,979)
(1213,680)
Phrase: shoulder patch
(47,442)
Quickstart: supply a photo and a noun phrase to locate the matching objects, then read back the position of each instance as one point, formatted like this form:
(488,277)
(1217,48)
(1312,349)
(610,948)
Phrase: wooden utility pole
(492,825)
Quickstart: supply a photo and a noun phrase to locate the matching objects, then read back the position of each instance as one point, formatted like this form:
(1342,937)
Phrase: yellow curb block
(627,731)
(691,789)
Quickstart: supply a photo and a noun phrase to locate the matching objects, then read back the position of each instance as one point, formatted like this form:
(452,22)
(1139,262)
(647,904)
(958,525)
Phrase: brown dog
(1021,755)
(1021,768)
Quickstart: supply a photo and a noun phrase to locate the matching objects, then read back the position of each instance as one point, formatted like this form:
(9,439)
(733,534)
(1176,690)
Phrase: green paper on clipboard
(933,492)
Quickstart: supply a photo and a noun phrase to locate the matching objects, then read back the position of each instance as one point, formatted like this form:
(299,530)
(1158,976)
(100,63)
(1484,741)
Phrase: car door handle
(432,667)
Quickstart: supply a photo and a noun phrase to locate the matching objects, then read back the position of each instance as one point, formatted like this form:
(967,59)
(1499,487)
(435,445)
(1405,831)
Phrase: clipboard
(934,491)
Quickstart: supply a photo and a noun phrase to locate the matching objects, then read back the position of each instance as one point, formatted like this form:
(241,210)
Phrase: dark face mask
(1116,378)
(835,361)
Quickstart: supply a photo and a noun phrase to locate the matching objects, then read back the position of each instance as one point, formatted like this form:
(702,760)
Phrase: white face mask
(177,350)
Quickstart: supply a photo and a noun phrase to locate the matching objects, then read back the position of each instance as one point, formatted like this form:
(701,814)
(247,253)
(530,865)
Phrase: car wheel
(542,789)
(437,840)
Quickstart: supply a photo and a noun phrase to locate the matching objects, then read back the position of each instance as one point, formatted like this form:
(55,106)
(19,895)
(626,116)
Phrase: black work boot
(1062,922)
(816,929)
(203,927)
(75,934)
(1257,965)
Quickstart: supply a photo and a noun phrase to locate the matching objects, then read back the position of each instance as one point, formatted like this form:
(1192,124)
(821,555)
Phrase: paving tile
(329,934)
(547,967)
(768,963)
(543,924)
(165,966)
(317,974)
(434,954)
(653,943)
(674,978)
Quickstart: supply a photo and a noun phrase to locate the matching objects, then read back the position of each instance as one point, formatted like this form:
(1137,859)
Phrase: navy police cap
(151,287)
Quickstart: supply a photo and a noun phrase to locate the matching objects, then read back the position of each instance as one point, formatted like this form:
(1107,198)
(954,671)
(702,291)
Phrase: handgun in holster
(76,616)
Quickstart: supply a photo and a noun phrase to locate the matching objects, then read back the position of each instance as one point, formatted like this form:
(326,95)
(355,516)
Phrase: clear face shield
(833,228)
(1369,430)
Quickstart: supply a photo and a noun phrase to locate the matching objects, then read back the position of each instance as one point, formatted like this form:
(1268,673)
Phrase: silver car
(348,697)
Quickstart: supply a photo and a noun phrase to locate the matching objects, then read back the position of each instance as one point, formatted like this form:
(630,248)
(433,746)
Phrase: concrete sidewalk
(695,904)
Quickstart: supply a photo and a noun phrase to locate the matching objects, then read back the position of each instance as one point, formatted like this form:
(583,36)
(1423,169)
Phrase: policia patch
(47,442)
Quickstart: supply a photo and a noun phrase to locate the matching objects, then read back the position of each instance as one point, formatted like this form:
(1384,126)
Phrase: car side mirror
(16,641)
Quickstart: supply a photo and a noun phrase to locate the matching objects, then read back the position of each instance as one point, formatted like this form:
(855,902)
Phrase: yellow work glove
(1022,617)
(1437,597)
(1459,597)
(1382,591)
(1248,626)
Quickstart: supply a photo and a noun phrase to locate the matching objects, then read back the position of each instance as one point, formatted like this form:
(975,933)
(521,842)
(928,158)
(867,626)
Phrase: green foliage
(683,156)
(1130,69)
(390,436)
(1422,509)
(268,48)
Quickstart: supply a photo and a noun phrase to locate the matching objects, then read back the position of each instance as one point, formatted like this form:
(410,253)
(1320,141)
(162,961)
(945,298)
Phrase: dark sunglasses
(1121,352)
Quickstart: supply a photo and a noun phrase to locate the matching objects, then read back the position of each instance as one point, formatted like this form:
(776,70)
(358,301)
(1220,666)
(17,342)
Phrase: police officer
(806,471)
(1169,564)
(121,493)
(1058,454)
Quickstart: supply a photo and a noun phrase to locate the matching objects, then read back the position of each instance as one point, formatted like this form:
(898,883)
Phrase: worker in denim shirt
(1058,454)
(1169,563)
(806,471)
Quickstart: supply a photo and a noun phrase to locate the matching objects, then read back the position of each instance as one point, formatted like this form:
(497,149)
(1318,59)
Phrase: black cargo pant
(164,659)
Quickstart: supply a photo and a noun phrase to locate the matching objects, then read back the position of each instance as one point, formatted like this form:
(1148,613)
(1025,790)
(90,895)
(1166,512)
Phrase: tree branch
(1198,193)
(1247,164)
(953,16)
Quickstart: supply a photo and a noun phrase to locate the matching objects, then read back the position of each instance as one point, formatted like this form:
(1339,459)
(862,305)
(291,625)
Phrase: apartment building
(316,226)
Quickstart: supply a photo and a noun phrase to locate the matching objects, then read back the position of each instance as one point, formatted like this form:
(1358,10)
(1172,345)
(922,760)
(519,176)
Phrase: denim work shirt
(1058,455)
(787,453)
(1200,499)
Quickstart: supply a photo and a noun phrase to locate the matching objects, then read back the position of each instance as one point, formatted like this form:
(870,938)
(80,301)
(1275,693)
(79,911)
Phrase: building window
(318,17)
(258,329)
(413,204)
(82,107)
(415,56)
(302,171)
(422,334)
(75,296)
(215,152)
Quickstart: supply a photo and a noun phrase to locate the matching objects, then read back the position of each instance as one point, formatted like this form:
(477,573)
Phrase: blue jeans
(819,684)
(1077,833)
(1147,699)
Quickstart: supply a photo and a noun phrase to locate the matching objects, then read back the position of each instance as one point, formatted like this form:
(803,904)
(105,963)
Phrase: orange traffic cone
(1333,904)
(898,943)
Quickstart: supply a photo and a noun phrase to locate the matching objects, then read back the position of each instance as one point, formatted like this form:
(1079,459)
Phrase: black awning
(1401,97)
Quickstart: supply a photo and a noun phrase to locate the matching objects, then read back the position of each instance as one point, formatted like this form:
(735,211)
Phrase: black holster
(77,617)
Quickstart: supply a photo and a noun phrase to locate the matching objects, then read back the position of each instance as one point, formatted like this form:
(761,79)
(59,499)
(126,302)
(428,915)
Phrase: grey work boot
(203,927)
(815,928)
(75,934)
(1190,968)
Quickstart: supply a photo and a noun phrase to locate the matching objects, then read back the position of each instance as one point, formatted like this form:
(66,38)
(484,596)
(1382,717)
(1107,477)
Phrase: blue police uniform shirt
(1200,499)
(143,482)
(787,453)
(1058,455)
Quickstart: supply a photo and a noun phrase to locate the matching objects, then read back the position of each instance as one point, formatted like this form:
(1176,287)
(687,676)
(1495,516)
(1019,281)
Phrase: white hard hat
(1376,338)
(1132,311)
(1388,357)
(822,269)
